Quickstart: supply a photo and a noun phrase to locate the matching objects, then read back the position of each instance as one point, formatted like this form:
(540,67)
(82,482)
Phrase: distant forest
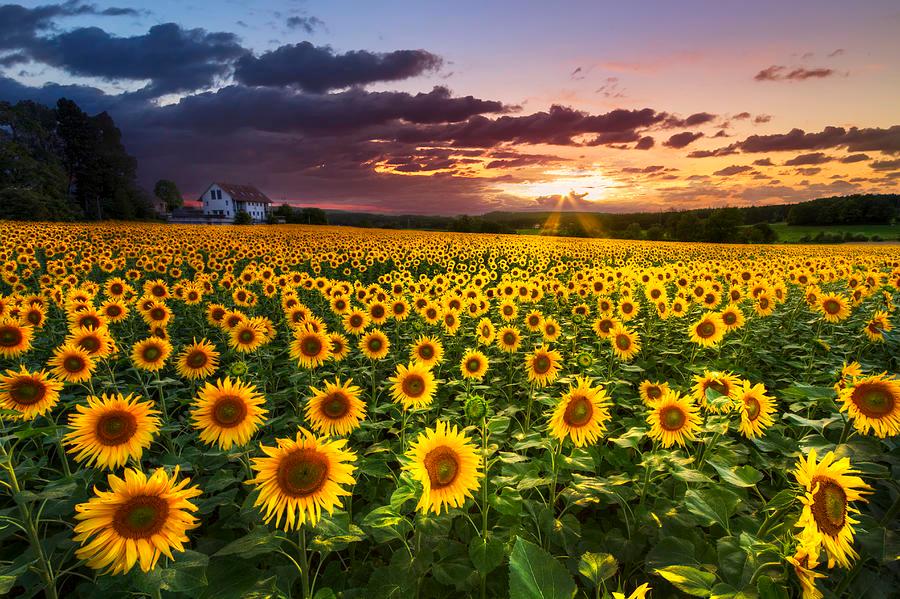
(61,164)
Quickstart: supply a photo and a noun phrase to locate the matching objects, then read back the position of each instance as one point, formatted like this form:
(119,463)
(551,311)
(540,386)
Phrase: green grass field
(793,234)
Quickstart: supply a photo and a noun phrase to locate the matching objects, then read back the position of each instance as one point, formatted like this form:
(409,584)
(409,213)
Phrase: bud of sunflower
(585,360)
(578,319)
(475,408)
(238,368)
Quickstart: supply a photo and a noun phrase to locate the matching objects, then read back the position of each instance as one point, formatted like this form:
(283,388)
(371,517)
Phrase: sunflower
(834,306)
(246,337)
(543,366)
(509,339)
(447,465)
(550,329)
(310,349)
(339,347)
(756,409)
(30,394)
(198,360)
(374,345)
(413,385)
(581,414)
(87,318)
(829,486)
(873,403)
(708,331)
(638,593)
(151,353)
(15,338)
(71,364)
(301,477)
(355,322)
(877,326)
(336,410)
(723,383)
(732,317)
(625,343)
(98,343)
(114,310)
(427,351)
(650,391)
(534,320)
(473,365)
(228,413)
(111,429)
(138,520)
(604,326)
(673,419)
(485,331)
(805,561)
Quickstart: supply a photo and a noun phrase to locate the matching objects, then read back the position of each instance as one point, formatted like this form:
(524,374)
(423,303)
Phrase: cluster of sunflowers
(337,371)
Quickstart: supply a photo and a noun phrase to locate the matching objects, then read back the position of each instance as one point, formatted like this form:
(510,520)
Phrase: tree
(656,233)
(243,218)
(314,216)
(168,192)
(633,231)
(722,225)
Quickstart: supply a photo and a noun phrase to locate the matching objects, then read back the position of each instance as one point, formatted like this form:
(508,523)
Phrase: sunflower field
(317,412)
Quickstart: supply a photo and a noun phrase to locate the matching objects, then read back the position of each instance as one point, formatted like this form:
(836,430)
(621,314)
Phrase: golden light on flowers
(413,386)
(447,465)
(71,364)
(15,338)
(651,391)
(340,348)
(509,339)
(228,413)
(673,419)
(542,366)
(97,342)
(873,404)
(708,331)
(877,326)
(337,409)
(756,409)
(625,343)
(300,477)
(374,345)
(829,487)
(310,349)
(151,354)
(31,394)
(138,520)
(732,317)
(581,414)
(111,429)
(246,337)
(805,561)
(427,351)
(198,360)
(473,365)
(834,307)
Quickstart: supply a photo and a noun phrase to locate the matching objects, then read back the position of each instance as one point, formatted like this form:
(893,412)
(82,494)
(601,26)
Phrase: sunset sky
(467,107)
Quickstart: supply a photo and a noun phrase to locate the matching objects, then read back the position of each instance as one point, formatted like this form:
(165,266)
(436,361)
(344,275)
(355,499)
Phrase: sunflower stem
(34,538)
(484,498)
(304,565)
(528,413)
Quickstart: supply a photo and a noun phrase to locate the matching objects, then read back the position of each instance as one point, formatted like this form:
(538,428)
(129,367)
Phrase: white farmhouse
(225,200)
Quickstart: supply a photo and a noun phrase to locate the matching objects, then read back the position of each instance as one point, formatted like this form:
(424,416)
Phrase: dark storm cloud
(732,170)
(885,165)
(320,69)
(872,139)
(172,58)
(811,158)
(20,25)
(851,158)
(764,162)
(91,99)
(781,73)
(681,140)
(307,24)
(645,143)
(698,118)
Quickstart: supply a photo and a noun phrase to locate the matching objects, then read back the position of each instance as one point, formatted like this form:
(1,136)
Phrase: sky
(468,107)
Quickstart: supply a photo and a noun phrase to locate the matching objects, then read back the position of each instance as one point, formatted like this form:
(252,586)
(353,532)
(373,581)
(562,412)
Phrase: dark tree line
(846,210)
(63,164)
(300,216)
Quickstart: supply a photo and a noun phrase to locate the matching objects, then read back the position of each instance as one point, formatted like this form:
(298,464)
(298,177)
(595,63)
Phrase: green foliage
(167,191)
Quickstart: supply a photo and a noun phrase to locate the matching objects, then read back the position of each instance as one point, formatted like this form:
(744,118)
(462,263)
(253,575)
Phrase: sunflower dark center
(152,353)
(10,336)
(829,506)
(706,329)
(473,365)
(229,411)
(336,405)
(141,517)
(413,386)
(246,336)
(654,392)
(578,412)
(426,351)
(873,400)
(116,289)
(34,317)
(605,325)
(375,345)
(302,473)
(157,313)
(113,311)
(197,359)
(718,387)
(832,306)
(623,342)
(672,418)
(377,311)
(442,465)
(89,344)
(763,303)
(509,338)
(542,364)
(752,406)
(356,320)
(90,322)
(729,318)
(311,347)
(73,364)
(26,392)
(116,427)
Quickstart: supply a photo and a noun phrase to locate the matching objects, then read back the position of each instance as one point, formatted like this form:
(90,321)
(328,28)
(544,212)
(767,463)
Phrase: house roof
(244,193)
